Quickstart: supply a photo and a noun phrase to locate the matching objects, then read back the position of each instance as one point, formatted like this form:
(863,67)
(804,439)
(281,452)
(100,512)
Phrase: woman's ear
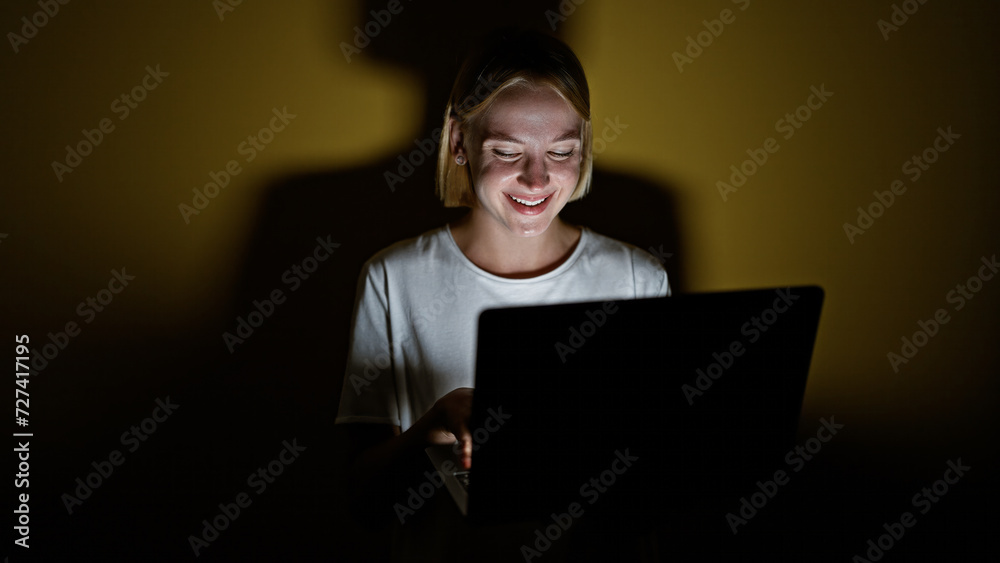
(456,138)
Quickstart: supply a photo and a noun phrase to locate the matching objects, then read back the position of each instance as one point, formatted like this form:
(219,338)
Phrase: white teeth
(529,203)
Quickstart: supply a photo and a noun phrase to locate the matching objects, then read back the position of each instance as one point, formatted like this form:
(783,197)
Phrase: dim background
(323,176)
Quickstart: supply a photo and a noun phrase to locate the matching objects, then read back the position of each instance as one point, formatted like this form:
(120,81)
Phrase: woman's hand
(379,450)
(449,423)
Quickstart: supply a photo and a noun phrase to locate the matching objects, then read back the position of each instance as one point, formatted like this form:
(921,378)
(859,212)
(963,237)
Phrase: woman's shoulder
(430,245)
(604,247)
(647,273)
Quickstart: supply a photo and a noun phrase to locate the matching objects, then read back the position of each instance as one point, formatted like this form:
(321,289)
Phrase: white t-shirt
(418,306)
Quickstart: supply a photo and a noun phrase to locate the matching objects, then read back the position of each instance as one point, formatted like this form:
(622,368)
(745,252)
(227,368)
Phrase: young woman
(515,148)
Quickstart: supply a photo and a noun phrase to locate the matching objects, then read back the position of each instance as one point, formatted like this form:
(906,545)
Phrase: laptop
(633,411)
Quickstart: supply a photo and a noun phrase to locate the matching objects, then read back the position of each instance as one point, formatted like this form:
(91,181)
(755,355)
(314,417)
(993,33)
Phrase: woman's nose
(534,174)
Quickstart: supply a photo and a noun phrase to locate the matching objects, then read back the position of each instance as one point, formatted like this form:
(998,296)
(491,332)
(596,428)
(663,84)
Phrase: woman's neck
(501,253)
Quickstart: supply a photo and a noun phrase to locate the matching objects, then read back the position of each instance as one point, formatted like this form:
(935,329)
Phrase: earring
(460,160)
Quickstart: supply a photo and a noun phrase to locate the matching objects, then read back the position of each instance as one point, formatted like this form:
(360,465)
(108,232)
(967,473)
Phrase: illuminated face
(524,157)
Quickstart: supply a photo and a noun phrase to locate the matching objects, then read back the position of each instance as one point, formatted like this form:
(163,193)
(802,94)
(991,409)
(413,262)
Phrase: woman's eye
(503,154)
(562,155)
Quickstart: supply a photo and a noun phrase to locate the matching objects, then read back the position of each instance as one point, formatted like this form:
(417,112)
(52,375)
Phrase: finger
(466,440)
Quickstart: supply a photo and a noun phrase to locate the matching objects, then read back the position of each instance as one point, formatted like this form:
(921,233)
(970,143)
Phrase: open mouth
(529,206)
(528,203)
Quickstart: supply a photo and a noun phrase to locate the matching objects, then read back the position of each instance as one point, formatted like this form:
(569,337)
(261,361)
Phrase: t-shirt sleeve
(649,275)
(369,394)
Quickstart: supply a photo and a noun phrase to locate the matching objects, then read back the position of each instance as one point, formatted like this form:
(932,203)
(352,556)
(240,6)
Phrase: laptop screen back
(629,407)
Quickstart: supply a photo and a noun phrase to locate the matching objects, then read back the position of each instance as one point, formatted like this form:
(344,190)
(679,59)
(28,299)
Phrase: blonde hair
(511,58)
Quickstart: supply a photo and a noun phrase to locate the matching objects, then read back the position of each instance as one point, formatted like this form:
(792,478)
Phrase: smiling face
(524,156)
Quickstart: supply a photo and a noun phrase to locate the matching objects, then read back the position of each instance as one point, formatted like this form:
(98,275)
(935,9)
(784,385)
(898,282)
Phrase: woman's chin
(528,229)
